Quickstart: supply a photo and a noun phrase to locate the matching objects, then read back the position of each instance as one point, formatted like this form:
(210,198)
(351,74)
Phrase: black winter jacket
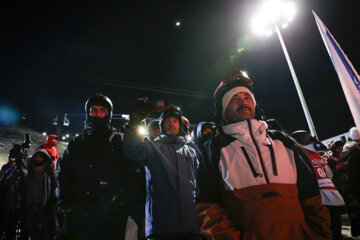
(92,170)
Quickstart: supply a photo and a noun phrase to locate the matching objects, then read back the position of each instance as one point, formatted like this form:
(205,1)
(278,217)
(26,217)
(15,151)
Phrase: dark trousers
(94,223)
(176,236)
(40,222)
(335,214)
(13,224)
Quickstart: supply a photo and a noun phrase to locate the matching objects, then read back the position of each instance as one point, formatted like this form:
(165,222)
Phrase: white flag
(347,74)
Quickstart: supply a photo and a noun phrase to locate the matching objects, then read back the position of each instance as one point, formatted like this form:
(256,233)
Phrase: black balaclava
(96,123)
(200,138)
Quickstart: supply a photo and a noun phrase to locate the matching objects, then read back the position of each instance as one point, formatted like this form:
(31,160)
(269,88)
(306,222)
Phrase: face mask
(97,123)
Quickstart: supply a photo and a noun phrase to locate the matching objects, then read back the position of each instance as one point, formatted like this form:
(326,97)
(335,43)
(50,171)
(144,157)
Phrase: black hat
(170,111)
(303,137)
(333,145)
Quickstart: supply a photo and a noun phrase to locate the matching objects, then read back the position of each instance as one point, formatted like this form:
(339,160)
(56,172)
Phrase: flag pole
(297,85)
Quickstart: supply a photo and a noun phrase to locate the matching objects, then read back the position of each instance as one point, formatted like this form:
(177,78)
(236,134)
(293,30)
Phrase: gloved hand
(137,111)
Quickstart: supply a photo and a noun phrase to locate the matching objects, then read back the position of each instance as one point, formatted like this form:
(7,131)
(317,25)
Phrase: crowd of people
(239,177)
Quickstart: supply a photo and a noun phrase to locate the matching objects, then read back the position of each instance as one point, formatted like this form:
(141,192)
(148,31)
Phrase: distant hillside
(15,134)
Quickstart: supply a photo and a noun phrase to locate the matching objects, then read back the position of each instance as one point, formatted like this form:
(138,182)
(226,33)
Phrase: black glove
(137,111)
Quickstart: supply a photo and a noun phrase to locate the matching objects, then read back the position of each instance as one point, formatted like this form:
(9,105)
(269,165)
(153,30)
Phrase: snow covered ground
(15,134)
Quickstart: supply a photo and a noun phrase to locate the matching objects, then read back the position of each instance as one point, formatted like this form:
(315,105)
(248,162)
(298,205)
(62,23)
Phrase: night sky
(55,55)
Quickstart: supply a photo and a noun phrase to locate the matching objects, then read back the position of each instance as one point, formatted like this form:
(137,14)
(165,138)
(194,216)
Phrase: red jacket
(50,147)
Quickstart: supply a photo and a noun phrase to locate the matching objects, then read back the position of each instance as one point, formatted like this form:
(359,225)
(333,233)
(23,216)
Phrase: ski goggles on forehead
(168,108)
(239,76)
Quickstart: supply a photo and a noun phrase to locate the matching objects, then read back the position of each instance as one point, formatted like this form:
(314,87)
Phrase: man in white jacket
(254,183)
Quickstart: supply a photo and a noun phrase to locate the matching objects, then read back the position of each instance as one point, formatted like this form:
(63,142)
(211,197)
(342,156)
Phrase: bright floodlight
(76,135)
(272,12)
(67,135)
(142,130)
(178,23)
(44,133)
(288,10)
(63,137)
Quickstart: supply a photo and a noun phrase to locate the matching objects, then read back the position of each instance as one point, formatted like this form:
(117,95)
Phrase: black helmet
(232,80)
(100,100)
(170,111)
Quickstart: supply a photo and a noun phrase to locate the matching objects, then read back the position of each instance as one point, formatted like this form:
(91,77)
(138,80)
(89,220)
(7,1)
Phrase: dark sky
(54,55)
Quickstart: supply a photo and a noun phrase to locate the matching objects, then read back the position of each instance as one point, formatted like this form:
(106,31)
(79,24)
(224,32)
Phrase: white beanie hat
(229,94)
(354,134)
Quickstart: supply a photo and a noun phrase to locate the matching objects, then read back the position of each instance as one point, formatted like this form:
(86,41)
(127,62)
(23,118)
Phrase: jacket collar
(240,130)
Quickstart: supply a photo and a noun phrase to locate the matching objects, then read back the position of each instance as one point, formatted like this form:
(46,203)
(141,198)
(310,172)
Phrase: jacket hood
(50,140)
(41,152)
(349,148)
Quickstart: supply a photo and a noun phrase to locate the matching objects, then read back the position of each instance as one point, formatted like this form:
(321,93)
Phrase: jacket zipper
(179,190)
(255,174)
(273,161)
(258,151)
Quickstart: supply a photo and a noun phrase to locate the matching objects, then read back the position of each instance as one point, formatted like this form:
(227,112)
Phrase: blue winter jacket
(170,166)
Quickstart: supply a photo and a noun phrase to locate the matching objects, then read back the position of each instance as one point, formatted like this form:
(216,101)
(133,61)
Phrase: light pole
(273,14)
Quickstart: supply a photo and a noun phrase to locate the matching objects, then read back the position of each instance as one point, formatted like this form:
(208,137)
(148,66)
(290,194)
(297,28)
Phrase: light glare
(289,11)
(268,33)
(270,13)
(142,130)
(188,137)
(244,73)
(272,10)
(284,25)
(259,24)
